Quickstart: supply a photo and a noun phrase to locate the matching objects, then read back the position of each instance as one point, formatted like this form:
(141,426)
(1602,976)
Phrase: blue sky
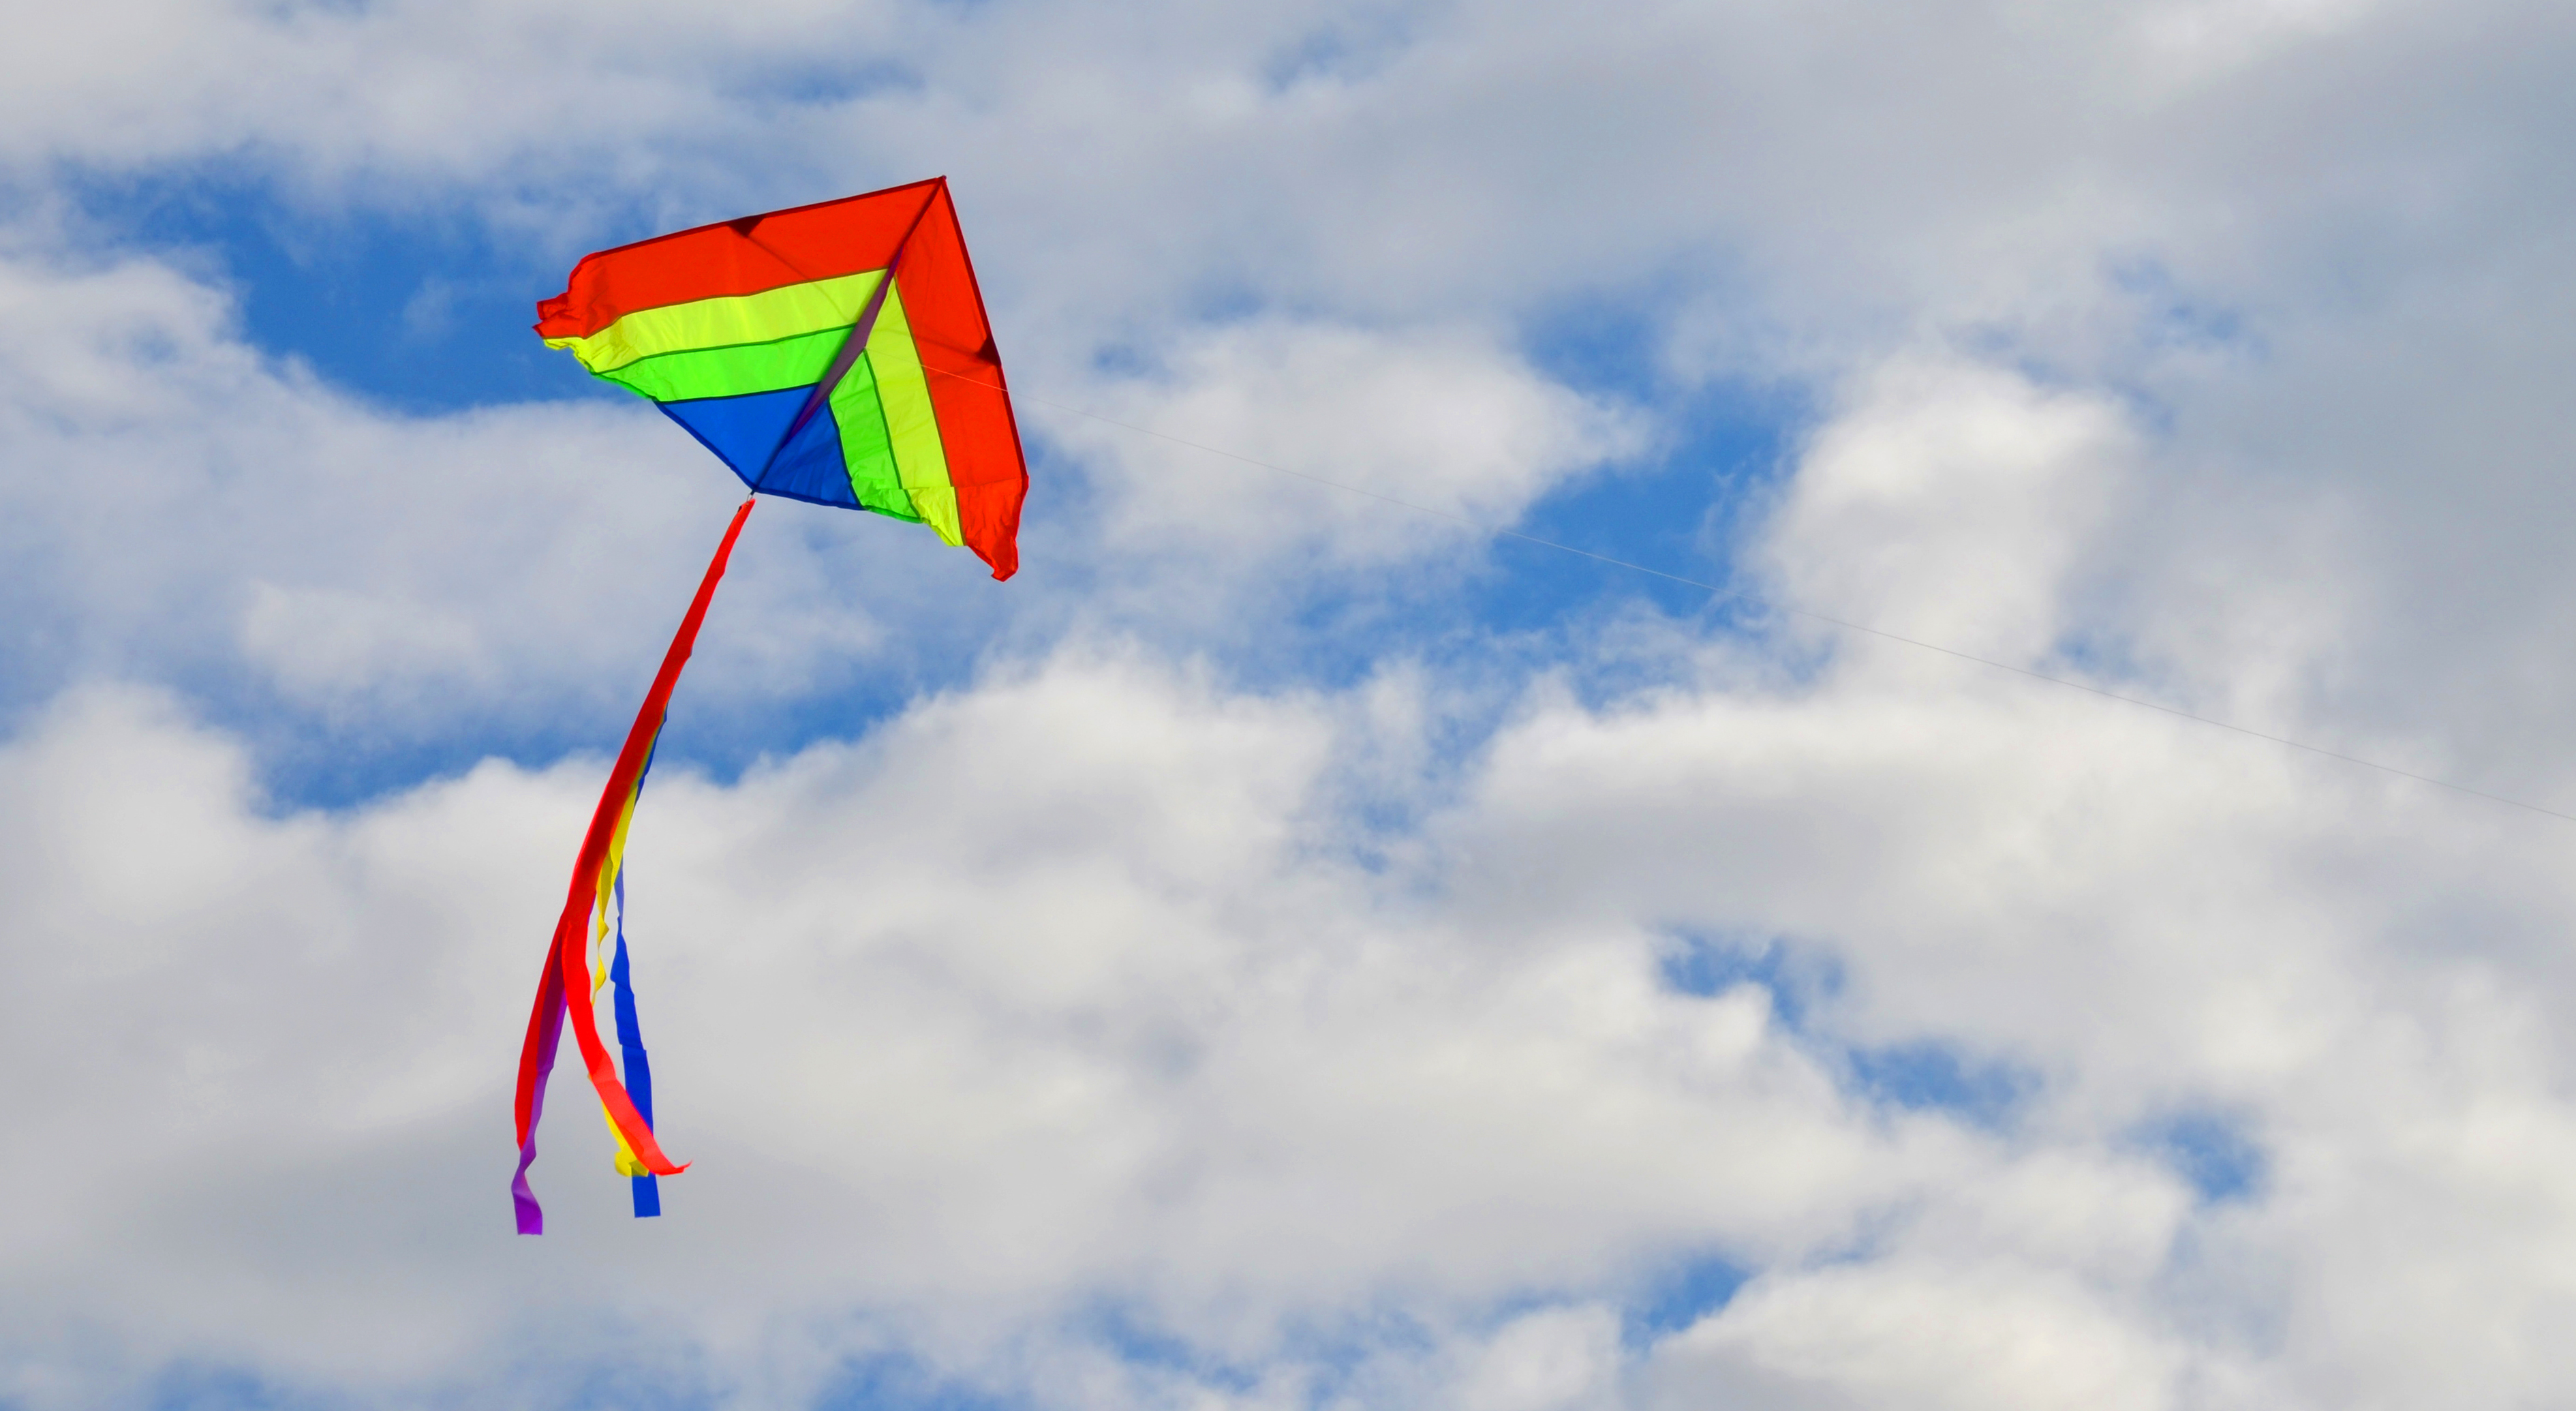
(1282,950)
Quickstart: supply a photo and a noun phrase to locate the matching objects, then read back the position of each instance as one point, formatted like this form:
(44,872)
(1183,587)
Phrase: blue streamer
(630,1043)
(630,1033)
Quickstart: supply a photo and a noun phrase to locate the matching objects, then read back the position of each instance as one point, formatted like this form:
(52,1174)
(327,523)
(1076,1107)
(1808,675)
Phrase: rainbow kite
(837,354)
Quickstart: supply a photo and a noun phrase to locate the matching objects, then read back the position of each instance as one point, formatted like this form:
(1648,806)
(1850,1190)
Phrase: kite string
(1788,609)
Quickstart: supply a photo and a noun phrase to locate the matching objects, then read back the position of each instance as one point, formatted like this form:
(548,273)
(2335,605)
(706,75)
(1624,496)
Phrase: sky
(1301,943)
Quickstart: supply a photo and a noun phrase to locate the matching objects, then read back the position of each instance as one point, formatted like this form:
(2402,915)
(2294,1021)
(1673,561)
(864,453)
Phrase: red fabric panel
(976,429)
(745,256)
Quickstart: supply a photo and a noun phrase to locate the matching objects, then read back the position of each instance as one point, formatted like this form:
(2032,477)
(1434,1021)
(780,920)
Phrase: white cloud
(1950,502)
(1879,1335)
(1552,1361)
(1044,992)
(1443,421)
(1068,988)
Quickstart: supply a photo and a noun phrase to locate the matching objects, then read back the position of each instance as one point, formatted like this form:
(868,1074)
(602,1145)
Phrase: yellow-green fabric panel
(725,322)
(912,426)
(800,361)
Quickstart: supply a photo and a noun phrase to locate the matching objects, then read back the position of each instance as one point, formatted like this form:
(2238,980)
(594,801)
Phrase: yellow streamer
(610,869)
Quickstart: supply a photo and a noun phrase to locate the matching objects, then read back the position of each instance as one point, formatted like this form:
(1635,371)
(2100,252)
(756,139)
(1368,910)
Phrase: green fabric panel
(725,322)
(912,426)
(889,428)
(864,447)
(732,372)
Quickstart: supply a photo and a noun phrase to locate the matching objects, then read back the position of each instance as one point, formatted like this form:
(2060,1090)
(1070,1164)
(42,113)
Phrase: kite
(837,354)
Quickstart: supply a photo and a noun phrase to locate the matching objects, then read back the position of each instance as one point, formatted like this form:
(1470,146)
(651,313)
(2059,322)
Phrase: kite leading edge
(837,354)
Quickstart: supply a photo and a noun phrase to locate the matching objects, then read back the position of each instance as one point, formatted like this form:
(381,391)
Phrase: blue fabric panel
(810,466)
(743,432)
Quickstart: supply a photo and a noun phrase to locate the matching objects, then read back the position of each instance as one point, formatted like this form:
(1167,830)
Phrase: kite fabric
(836,354)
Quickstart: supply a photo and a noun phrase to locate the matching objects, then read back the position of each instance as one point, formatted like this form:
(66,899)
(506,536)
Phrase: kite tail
(567,985)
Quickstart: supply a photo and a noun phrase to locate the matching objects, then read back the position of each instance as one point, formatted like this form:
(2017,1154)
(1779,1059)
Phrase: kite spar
(837,354)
